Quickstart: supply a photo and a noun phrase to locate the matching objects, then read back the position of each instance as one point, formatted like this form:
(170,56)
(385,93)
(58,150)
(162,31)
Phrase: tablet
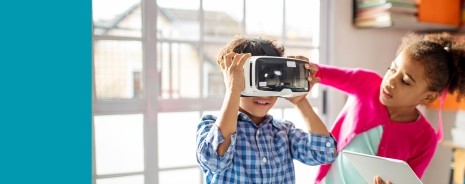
(369,166)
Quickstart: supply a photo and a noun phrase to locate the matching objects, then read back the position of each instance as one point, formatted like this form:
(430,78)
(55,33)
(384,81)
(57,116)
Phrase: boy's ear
(430,97)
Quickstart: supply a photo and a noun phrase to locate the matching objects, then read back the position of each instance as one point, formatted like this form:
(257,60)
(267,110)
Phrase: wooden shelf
(458,161)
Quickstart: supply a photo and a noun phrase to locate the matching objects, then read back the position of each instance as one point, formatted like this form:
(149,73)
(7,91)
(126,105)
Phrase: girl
(381,117)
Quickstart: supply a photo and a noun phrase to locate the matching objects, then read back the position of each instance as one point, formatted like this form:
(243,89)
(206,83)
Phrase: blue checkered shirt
(259,154)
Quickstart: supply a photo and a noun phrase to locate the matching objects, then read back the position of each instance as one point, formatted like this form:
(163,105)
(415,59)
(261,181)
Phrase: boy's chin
(258,114)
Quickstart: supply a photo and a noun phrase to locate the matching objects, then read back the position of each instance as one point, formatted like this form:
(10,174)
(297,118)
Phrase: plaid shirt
(259,154)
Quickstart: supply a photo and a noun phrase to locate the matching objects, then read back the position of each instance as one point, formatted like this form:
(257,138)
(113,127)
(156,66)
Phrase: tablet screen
(394,170)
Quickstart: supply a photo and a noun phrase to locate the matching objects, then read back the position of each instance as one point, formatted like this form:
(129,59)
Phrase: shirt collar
(243,117)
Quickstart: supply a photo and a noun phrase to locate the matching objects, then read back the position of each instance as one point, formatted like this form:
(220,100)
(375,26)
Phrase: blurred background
(155,74)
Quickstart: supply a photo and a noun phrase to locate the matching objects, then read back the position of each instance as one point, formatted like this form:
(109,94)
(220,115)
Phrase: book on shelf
(401,21)
(382,9)
(402,14)
(397,3)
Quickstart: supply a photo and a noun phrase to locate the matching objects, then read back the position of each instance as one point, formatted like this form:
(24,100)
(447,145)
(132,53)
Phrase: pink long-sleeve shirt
(413,142)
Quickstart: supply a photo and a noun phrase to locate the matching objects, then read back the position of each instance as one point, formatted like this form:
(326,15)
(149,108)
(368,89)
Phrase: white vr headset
(275,76)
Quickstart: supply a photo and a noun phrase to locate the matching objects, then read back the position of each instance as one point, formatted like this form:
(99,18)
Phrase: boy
(246,145)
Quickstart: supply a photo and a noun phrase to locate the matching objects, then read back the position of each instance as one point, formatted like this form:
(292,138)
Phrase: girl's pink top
(413,142)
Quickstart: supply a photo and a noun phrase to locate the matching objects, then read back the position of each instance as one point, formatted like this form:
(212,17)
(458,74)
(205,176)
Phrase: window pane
(137,179)
(215,113)
(297,32)
(214,82)
(191,176)
(222,19)
(276,113)
(304,174)
(178,19)
(122,19)
(176,139)
(264,21)
(119,144)
(294,116)
(179,69)
(118,69)
(304,51)
(212,75)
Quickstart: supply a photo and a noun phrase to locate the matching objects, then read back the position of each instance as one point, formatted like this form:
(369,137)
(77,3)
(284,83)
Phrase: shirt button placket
(261,154)
(265,170)
(262,145)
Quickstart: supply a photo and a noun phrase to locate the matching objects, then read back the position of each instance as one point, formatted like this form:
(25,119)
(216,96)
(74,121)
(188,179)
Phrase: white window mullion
(324,47)
(283,35)
(244,14)
(149,30)
(109,107)
(183,105)
(201,49)
(120,38)
(103,176)
(94,167)
(94,99)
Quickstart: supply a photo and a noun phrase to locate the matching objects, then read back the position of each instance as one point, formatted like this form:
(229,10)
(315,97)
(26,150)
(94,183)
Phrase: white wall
(438,171)
(353,47)
(375,49)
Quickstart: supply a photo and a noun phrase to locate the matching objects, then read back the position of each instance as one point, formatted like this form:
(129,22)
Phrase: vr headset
(275,76)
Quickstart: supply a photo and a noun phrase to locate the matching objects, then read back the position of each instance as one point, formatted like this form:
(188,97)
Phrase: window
(155,74)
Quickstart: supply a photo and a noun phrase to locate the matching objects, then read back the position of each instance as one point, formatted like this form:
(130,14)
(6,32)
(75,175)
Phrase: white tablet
(369,166)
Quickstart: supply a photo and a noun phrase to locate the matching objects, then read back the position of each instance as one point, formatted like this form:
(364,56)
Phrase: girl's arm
(351,81)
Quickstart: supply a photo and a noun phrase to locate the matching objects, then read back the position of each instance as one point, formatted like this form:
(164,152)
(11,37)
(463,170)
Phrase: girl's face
(404,84)
(257,107)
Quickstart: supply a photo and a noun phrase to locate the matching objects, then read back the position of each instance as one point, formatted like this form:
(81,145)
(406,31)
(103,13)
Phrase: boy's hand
(232,67)
(378,180)
(296,99)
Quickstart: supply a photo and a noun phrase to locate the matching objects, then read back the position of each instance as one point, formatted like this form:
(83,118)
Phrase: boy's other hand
(296,99)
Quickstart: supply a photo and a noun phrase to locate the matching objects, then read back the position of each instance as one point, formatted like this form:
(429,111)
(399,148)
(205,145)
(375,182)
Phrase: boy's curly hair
(244,44)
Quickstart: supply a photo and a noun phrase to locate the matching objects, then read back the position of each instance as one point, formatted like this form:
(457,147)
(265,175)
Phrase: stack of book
(392,13)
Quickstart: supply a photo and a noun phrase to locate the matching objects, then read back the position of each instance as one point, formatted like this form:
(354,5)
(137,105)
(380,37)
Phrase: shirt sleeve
(312,149)
(208,139)
(353,81)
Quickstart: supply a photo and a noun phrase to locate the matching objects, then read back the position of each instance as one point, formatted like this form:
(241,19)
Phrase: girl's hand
(232,67)
(312,70)
(378,180)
